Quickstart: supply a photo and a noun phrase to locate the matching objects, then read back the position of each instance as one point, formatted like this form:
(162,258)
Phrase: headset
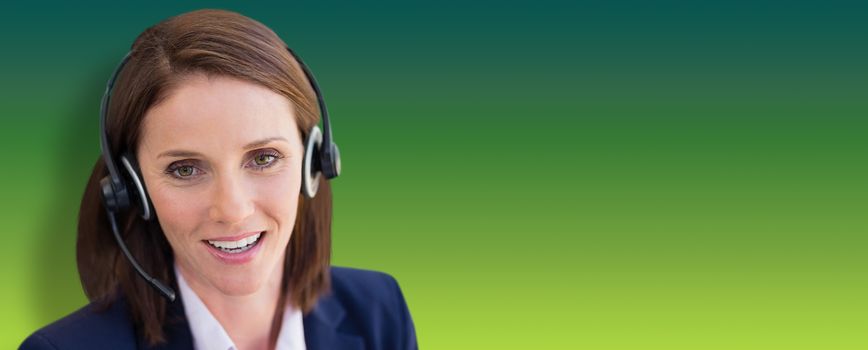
(124,185)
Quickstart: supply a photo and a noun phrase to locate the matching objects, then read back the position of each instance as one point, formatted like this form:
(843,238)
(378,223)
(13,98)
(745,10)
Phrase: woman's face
(221,160)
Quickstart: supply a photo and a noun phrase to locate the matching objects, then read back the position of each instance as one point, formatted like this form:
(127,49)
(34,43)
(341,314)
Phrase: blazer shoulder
(90,327)
(374,300)
(366,288)
(366,281)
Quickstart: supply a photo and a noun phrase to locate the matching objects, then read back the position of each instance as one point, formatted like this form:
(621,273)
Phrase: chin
(245,280)
(240,286)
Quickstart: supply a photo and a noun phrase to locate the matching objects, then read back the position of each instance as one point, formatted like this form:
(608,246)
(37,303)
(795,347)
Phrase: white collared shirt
(208,334)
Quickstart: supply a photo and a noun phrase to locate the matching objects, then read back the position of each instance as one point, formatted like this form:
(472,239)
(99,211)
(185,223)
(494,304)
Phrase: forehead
(217,112)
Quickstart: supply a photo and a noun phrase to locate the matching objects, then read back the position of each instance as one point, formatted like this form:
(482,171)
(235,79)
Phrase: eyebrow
(254,144)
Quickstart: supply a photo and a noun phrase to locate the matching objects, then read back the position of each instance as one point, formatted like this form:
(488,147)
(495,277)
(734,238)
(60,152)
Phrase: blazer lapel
(321,327)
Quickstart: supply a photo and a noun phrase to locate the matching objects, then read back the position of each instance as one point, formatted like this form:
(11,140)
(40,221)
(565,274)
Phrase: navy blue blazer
(365,310)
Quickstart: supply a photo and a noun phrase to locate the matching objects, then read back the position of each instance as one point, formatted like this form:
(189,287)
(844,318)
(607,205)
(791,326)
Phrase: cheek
(176,215)
(278,197)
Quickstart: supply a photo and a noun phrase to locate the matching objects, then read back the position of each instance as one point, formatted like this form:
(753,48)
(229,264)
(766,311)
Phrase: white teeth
(236,246)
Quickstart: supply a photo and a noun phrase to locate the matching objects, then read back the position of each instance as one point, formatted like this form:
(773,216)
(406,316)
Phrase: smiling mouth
(239,246)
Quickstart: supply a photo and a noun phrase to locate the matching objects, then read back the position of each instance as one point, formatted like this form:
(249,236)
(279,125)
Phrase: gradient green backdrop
(603,175)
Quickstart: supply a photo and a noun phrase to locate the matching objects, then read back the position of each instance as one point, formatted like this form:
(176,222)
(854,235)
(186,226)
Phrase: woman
(213,185)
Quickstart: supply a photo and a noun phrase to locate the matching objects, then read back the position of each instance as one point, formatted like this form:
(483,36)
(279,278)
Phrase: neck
(248,319)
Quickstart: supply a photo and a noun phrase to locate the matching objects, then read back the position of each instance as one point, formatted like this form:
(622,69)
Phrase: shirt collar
(209,334)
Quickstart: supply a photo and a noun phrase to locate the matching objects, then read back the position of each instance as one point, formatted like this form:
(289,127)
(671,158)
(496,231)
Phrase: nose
(232,201)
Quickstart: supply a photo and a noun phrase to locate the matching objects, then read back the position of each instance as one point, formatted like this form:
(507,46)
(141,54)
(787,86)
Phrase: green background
(601,175)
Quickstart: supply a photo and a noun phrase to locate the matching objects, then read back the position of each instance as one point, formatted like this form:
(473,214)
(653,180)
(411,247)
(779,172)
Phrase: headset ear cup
(334,162)
(330,160)
(131,167)
(310,168)
(114,199)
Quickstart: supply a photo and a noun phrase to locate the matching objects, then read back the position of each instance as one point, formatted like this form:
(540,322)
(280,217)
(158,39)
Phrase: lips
(236,249)
(237,246)
(234,237)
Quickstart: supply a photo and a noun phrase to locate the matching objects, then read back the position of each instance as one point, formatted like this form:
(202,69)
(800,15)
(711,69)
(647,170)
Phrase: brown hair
(213,42)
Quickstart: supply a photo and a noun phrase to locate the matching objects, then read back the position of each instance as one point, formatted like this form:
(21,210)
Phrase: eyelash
(174,167)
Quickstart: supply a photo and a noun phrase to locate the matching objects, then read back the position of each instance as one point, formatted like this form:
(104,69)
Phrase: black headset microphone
(321,158)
